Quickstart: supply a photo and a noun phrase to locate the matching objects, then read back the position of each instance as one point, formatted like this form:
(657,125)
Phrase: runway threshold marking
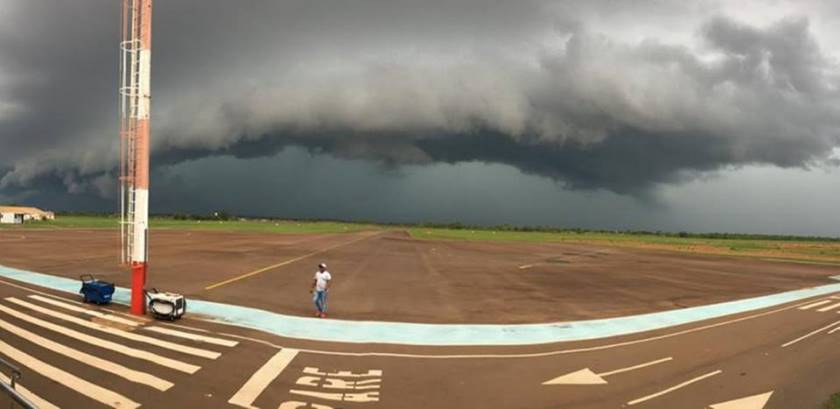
(88,359)
(40,402)
(105,344)
(290,261)
(257,383)
(816,304)
(810,334)
(673,388)
(85,311)
(93,391)
(118,332)
(587,377)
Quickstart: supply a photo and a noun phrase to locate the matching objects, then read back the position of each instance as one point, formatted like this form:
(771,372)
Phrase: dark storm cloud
(537,85)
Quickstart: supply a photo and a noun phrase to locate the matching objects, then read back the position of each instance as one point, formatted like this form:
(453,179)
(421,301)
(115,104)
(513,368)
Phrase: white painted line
(816,304)
(829,308)
(343,374)
(522,355)
(102,343)
(749,402)
(118,332)
(82,310)
(104,396)
(87,359)
(257,383)
(834,330)
(358,397)
(785,345)
(37,400)
(673,388)
(632,368)
(194,337)
(585,376)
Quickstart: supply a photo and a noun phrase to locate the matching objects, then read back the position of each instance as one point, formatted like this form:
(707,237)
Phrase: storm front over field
(648,115)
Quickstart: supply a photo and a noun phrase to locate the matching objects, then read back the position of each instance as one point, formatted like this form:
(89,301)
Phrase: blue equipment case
(96,291)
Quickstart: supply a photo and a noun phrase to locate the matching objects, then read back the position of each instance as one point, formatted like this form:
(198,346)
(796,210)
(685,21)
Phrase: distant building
(20,214)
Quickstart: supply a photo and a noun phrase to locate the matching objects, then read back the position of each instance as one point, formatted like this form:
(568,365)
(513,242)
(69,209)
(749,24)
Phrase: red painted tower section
(135,98)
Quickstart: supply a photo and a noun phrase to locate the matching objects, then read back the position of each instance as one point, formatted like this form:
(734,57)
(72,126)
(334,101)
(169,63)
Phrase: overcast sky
(672,115)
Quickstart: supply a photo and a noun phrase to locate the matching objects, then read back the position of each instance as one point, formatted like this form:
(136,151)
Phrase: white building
(20,214)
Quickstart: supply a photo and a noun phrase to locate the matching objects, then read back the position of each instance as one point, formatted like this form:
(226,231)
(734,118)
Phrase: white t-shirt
(321,280)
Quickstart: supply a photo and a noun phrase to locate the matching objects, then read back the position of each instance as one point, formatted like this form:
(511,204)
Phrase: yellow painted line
(88,359)
(118,332)
(256,384)
(37,400)
(673,388)
(103,343)
(91,390)
(812,333)
(287,262)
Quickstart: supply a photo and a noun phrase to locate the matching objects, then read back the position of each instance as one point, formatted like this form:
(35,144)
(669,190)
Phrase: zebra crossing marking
(118,332)
(88,359)
(86,311)
(194,337)
(91,390)
(103,343)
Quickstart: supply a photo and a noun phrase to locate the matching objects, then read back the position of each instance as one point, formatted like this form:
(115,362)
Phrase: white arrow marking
(585,376)
(750,402)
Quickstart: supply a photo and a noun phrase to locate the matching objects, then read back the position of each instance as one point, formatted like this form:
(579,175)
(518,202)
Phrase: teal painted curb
(443,334)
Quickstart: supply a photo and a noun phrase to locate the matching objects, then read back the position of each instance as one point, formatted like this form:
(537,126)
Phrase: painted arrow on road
(586,376)
(750,402)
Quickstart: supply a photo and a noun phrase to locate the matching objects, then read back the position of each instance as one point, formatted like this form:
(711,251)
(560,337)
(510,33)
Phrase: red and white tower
(135,97)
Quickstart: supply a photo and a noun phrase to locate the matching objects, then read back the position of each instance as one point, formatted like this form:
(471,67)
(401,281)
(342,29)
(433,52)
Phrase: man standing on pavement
(320,286)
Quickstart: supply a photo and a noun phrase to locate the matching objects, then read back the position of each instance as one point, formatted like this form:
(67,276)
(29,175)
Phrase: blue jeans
(320,300)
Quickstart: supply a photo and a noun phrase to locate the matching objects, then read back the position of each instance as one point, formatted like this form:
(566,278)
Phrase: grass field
(800,250)
(803,250)
(833,402)
(267,226)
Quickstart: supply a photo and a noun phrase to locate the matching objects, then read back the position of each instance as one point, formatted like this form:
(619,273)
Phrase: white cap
(322,265)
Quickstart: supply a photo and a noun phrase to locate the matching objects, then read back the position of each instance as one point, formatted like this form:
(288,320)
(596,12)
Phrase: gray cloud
(546,87)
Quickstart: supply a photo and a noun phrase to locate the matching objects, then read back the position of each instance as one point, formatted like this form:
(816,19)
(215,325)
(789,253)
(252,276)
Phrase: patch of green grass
(788,249)
(249,225)
(833,402)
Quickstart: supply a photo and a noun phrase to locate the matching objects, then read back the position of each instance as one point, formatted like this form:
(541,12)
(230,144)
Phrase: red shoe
(323,315)
(317,314)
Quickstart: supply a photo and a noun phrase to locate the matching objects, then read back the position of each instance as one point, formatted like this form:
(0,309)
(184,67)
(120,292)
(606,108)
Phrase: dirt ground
(392,277)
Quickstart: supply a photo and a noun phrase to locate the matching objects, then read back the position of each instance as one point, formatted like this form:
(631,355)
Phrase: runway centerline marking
(91,390)
(673,388)
(257,383)
(812,333)
(287,262)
